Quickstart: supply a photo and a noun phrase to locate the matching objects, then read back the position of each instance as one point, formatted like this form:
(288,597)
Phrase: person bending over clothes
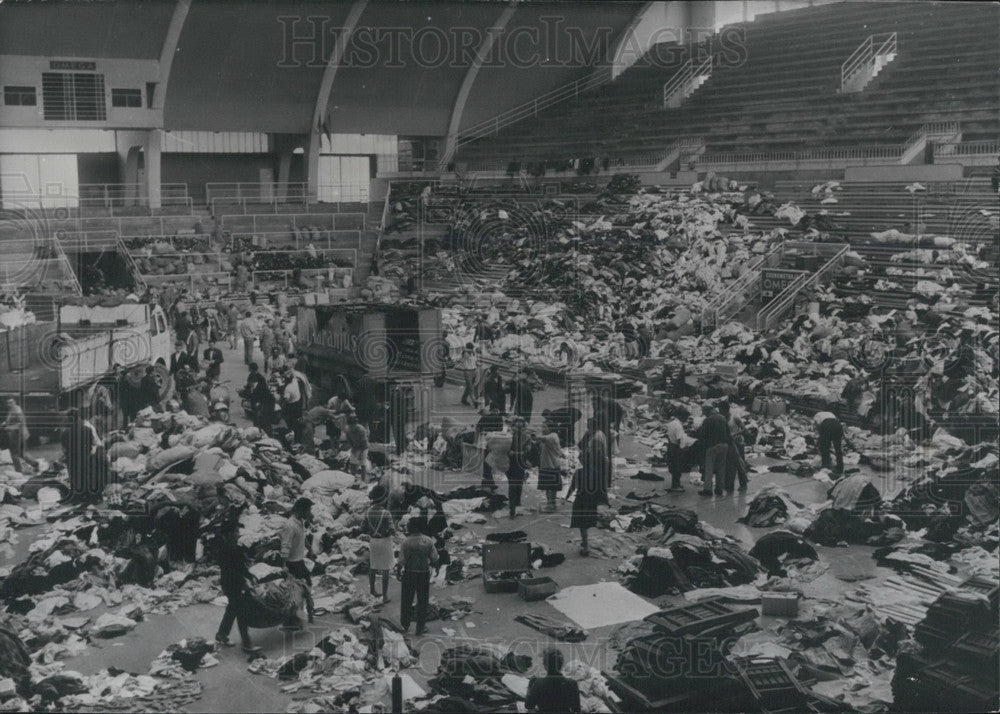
(293,550)
(831,434)
(233,577)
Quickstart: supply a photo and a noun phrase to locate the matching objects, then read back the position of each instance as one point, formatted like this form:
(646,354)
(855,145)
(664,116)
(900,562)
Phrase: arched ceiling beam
(323,95)
(168,51)
(470,80)
(333,64)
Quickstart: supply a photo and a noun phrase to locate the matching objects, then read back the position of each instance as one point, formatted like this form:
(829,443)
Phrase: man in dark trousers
(233,577)
(416,556)
(714,437)
(831,433)
(149,390)
(553,692)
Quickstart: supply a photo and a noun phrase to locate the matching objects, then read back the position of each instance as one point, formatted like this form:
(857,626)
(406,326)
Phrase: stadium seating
(785,95)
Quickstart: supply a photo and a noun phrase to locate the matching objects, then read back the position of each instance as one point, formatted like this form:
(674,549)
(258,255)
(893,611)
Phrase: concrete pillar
(312,165)
(284,168)
(130,175)
(153,176)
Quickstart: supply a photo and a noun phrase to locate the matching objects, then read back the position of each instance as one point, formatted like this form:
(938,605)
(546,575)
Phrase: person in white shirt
(677,441)
(831,433)
(293,552)
(467,363)
(291,404)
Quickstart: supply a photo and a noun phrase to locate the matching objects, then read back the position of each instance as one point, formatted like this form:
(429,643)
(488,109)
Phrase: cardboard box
(505,557)
(531,589)
(781,604)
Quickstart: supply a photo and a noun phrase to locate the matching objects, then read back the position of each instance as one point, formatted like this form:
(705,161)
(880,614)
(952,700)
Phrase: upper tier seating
(785,95)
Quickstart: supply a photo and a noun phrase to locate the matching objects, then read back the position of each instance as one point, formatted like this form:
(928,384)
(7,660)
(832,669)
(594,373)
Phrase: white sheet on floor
(600,604)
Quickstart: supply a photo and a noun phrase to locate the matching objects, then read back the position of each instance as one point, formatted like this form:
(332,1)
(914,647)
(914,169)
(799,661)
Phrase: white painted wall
(39,180)
(385,147)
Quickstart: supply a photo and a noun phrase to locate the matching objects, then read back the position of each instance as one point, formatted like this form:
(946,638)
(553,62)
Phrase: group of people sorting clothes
(420,555)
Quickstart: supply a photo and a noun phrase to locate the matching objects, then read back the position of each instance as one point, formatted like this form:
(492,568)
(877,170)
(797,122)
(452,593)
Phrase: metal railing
(283,274)
(193,279)
(383,224)
(988,149)
(295,192)
(532,107)
(936,128)
(769,315)
(833,154)
(244,206)
(140,282)
(124,194)
(685,81)
(299,221)
(46,262)
(350,253)
(732,300)
(863,59)
(284,237)
(87,241)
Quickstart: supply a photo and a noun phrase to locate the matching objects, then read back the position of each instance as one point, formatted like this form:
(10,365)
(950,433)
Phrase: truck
(369,350)
(86,358)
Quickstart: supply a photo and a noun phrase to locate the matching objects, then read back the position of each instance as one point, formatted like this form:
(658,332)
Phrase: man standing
(831,433)
(357,439)
(248,331)
(677,441)
(467,363)
(517,465)
(293,545)
(180,358)
(213,356)
(714,435)
(292,404)
(416,556)
(15,428)
(149,390)
(233,325)
(522,395)
(550,466)
(735,464)
(267,343)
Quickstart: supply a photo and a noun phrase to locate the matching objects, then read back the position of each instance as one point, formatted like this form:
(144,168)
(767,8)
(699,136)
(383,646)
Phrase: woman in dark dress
(590,482)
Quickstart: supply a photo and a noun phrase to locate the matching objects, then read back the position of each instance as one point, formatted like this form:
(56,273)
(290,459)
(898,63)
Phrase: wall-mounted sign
(73,65)
(773,282)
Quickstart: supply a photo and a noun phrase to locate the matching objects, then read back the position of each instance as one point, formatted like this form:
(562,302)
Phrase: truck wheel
(162,376)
